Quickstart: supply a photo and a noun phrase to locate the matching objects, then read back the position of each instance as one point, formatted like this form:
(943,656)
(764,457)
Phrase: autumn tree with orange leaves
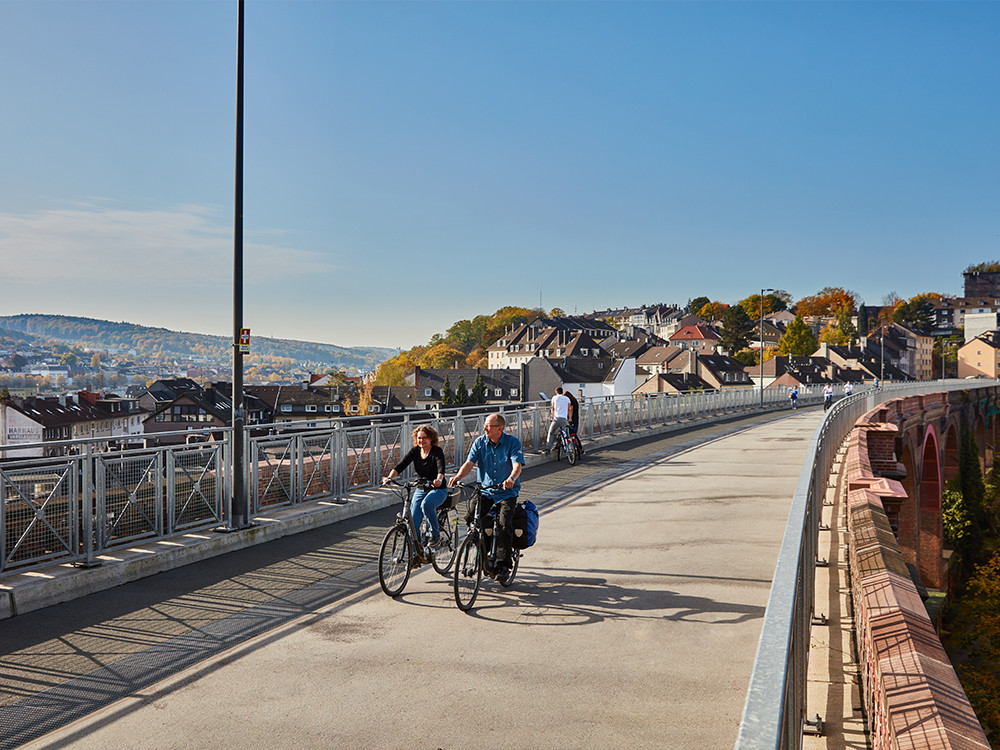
(826,303)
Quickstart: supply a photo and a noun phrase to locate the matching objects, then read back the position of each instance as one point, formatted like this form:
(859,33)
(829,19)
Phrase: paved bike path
(632,623)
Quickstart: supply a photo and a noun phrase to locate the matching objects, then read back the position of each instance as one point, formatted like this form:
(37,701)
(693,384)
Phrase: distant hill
(105,335)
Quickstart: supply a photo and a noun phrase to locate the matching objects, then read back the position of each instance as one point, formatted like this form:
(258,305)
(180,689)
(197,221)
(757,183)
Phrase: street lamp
(760,356)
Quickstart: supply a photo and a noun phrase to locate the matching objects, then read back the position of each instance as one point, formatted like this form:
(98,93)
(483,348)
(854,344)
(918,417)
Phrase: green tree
(461,393)
(478,395)
(447,395)
(917,314)
(95,361)
(863,323)
(799,340)
(696,304)
(975,635)
(737,329)
(848,333)
(69,359)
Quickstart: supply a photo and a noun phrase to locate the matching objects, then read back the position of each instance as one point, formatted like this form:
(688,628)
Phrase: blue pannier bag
(525,525)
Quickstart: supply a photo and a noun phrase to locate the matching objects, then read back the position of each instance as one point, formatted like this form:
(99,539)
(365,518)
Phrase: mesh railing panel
(198,487)
(39,514)
(129,497)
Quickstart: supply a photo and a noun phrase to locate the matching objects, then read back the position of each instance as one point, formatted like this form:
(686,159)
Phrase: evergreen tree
(737,330)
(461,393)
(478,395)
(863,323)
(973,491)
(447,397)
(799,340)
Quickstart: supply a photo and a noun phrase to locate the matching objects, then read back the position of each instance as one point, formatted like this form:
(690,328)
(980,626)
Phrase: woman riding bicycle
(428,461)
(498,458)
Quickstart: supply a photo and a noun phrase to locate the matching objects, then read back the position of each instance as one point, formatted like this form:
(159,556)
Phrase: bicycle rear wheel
(395,558)
(468,575)
(506,581)
(445,556)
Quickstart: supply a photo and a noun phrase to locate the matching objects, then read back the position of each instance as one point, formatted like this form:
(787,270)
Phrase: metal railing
(76,507)
(775,713)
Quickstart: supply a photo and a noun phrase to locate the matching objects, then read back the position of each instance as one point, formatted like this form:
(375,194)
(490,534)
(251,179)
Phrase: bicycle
(404,549)
(567,444)
(477,553)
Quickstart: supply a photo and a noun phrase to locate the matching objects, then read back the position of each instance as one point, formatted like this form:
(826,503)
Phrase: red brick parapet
(912,694)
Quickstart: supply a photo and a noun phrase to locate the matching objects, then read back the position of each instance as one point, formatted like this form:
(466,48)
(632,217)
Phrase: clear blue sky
(409,164)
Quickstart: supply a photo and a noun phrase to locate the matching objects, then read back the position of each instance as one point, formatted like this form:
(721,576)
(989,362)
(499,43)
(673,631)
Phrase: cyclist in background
(560,418)
(498,458)
(574,420)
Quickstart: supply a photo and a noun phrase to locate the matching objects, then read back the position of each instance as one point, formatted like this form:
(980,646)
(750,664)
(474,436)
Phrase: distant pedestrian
(793,396)
(827,396)
(848,389)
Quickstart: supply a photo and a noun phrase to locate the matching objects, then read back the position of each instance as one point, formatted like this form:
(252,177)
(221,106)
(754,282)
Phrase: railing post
(171,489)
(87,503)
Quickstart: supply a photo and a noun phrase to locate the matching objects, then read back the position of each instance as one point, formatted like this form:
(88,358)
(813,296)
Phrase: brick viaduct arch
(913,443)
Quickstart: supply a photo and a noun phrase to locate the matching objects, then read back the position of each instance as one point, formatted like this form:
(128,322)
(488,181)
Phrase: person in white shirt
(560,418)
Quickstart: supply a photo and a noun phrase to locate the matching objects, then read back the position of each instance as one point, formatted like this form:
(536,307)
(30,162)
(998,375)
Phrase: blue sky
(409,164)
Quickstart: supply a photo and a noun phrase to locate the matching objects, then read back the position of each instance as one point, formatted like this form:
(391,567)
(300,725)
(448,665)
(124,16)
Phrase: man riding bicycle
(498,458)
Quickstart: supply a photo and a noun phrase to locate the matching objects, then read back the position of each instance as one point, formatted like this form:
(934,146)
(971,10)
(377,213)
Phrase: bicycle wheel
(395,559)
(509,578)
(468,574)
(445,556)
(570,448)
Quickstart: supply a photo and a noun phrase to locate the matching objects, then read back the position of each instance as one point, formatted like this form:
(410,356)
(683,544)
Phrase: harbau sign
(16,428)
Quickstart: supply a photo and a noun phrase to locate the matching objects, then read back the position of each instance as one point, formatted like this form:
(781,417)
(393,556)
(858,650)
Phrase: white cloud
(109,246)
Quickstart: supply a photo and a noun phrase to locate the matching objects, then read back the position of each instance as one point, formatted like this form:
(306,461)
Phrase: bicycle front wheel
(395,559)
(445,556)
(468,575)
(570,449)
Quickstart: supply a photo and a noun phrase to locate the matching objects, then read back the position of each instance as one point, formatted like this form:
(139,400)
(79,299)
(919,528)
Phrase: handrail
(774,713)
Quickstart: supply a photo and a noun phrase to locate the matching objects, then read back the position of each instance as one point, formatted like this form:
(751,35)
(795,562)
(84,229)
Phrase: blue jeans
(426,503)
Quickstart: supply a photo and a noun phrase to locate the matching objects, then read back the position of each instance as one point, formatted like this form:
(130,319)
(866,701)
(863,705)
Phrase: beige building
(980,357)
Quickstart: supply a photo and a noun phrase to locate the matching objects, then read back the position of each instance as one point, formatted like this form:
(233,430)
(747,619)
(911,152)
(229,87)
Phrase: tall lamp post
(881,355)
(239,509)
(760,356)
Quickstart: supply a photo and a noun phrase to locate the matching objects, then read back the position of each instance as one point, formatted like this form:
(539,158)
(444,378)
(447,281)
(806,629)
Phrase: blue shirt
(494,463)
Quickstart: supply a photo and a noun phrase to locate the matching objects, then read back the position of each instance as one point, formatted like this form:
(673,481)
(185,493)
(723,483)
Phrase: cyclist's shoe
(443,541)
(502,571)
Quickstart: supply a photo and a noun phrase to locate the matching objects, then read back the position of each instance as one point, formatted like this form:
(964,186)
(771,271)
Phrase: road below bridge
(633,622)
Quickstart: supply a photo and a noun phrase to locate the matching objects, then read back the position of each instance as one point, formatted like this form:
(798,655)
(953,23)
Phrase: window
(310,407)
(513,391)
(327,407)
(427,391)
(286,408)
(354,408)
(335,408)
(498,392)
(584,352)
(373,409)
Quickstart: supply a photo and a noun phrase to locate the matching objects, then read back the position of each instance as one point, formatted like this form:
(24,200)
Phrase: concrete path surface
(633,622)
